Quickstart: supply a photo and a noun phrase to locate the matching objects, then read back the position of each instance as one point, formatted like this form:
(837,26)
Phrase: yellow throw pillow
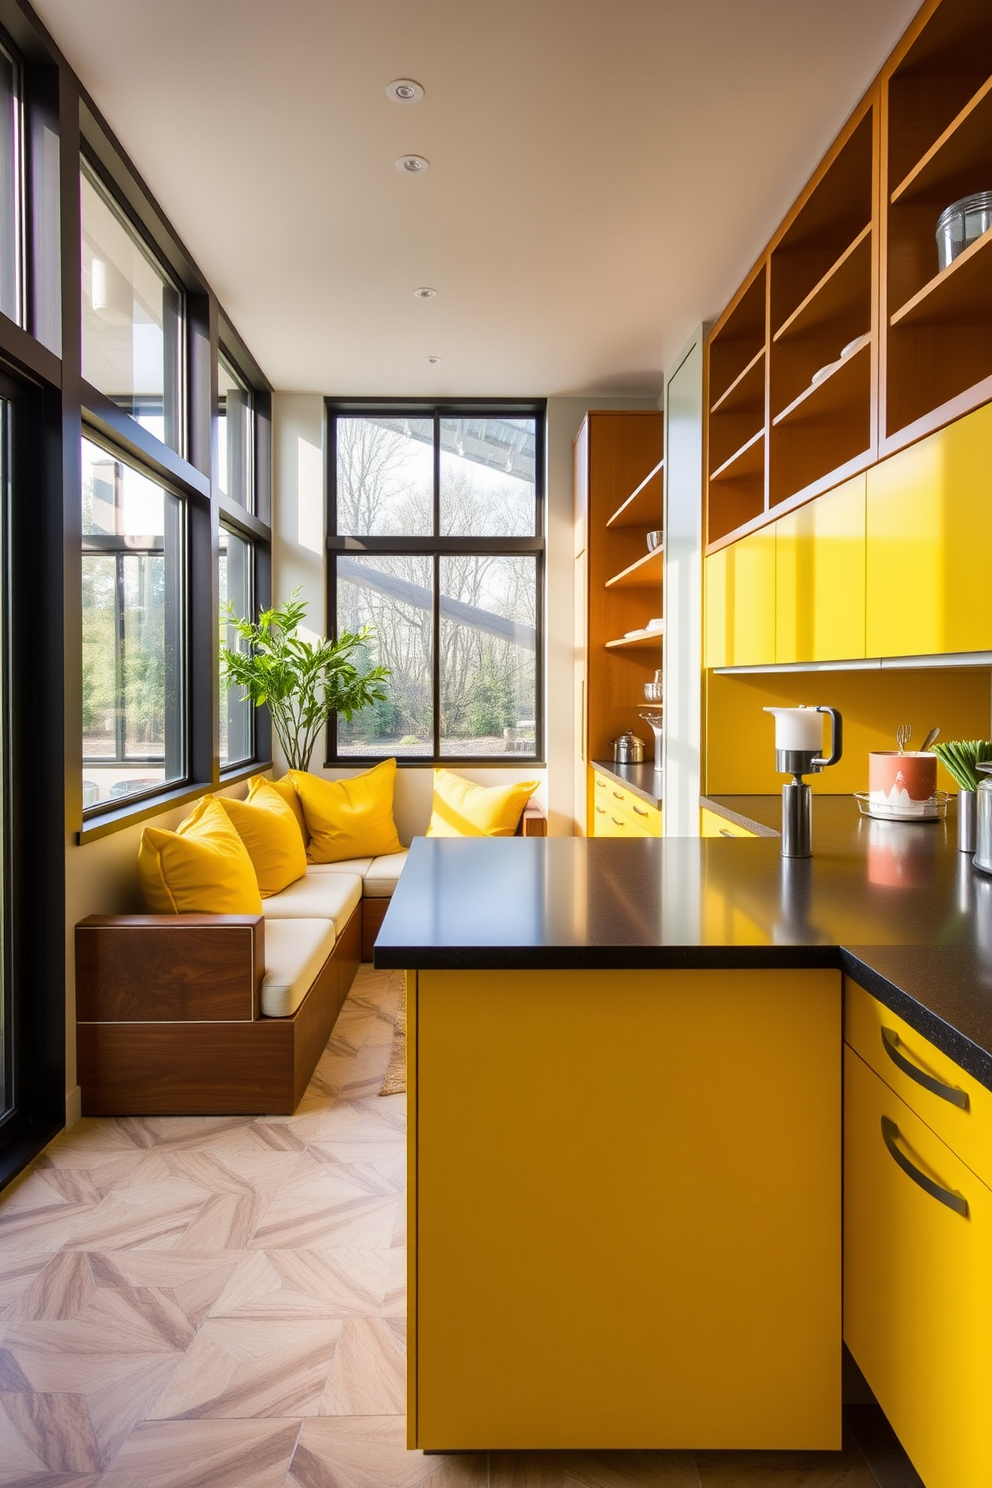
(349,818)
(202,868)
(271,834)
(287,790)
(461,809)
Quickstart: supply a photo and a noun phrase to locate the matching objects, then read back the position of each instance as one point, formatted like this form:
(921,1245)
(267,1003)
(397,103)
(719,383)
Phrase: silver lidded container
(983,829)
(960,224)
(628,749)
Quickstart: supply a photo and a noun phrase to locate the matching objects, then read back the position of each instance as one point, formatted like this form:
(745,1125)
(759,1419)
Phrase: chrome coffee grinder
(798,742)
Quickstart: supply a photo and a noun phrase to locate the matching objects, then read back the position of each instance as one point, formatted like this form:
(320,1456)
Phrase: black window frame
(176,390)
(120,547)
(436,546)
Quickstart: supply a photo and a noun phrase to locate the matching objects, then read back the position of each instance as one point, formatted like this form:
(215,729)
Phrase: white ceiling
(603,172)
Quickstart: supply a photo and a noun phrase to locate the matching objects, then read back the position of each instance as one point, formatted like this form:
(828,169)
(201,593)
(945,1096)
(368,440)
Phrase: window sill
(138,811)
(463,761)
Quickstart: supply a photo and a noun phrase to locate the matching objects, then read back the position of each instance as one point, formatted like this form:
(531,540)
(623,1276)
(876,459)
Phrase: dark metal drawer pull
(618,795)
(616,823)
(640,811)
(952,1093)
(601,810)
(948,1196)
(725,833)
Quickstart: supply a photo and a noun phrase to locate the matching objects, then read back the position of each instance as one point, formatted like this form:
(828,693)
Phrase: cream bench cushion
(295,951)
(333,897)
(379,875)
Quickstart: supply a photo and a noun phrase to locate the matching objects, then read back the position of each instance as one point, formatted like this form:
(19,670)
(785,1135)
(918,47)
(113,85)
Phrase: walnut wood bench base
(222,1067)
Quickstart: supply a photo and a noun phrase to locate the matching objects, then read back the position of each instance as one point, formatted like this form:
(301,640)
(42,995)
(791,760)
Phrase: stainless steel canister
(628,749)
(983,830)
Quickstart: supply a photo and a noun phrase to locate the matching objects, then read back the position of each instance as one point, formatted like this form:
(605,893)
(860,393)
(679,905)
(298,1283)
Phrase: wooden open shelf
(738,338)
(637,643)
(949,168)
(643,506)
(845,289)
(747,390)
(839,392)
(960,293)
(748,461)
(931,82)
(644,574)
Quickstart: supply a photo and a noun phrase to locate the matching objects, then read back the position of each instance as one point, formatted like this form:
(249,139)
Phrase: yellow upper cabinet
(929,544)
(740,602)
(820,578)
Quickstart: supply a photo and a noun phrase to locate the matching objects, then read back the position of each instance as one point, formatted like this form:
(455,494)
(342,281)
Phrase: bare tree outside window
(455,614)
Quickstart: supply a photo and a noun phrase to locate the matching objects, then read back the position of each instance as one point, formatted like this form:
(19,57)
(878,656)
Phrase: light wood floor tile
(394,1301)
(244,1368)
(368,1376)
(305,1284)
(194,1282)
(207,1454)
(306,1217)
(356,1452)
(18,1271)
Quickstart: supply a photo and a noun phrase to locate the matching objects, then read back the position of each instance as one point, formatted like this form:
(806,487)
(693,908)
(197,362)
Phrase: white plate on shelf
(855,345)
(933,810)
(823,372)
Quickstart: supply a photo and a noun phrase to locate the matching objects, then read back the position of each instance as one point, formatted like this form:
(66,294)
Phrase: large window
(436,544)
(11,190)
(237,587)
(134,734)
(235,435)
(132,318)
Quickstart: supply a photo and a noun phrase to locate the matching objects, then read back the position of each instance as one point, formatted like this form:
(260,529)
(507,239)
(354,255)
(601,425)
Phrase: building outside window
(133,631)
(11,188)
(237,714)
(436,542)
(132,318)
(235,442)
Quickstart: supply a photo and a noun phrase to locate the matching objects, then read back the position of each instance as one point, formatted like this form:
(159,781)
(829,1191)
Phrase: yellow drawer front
(713,825)
(918,1283)
(644,820)
(954,1104)
(608,821)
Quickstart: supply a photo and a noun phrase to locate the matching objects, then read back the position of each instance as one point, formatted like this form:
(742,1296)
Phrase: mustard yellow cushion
(202,868)
(271,834)
(349,818)
(461,809)
(287,790)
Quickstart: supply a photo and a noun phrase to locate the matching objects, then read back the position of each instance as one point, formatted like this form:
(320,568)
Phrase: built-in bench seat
(206,1014)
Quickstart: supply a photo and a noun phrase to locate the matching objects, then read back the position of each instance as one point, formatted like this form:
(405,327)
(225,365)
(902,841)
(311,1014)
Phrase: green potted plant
(301,682)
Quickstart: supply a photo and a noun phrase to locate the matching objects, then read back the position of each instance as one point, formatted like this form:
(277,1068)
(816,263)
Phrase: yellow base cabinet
(625,1209)
(918,1282)
(618,812)
(711,824)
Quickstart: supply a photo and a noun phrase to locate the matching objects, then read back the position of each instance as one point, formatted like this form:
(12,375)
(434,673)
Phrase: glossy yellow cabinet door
(625,1209)
(929,545)
(820,578)
(740,602)
(918,1282)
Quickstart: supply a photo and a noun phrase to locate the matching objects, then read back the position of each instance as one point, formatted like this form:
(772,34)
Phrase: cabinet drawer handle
(952,1093)
(640,811)
(950,1197)
(725,833)
(618,795)
(617,822)
(601,810)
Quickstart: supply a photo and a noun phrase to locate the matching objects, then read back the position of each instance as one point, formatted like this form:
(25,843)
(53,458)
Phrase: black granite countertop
(643,780)
(893,904)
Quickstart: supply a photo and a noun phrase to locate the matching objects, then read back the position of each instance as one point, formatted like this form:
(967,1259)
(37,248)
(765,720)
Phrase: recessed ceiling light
(404,90)
(432,359)
(425,293)
(412,165)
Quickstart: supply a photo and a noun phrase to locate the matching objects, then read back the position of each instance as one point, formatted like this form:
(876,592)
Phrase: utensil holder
(967,821)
